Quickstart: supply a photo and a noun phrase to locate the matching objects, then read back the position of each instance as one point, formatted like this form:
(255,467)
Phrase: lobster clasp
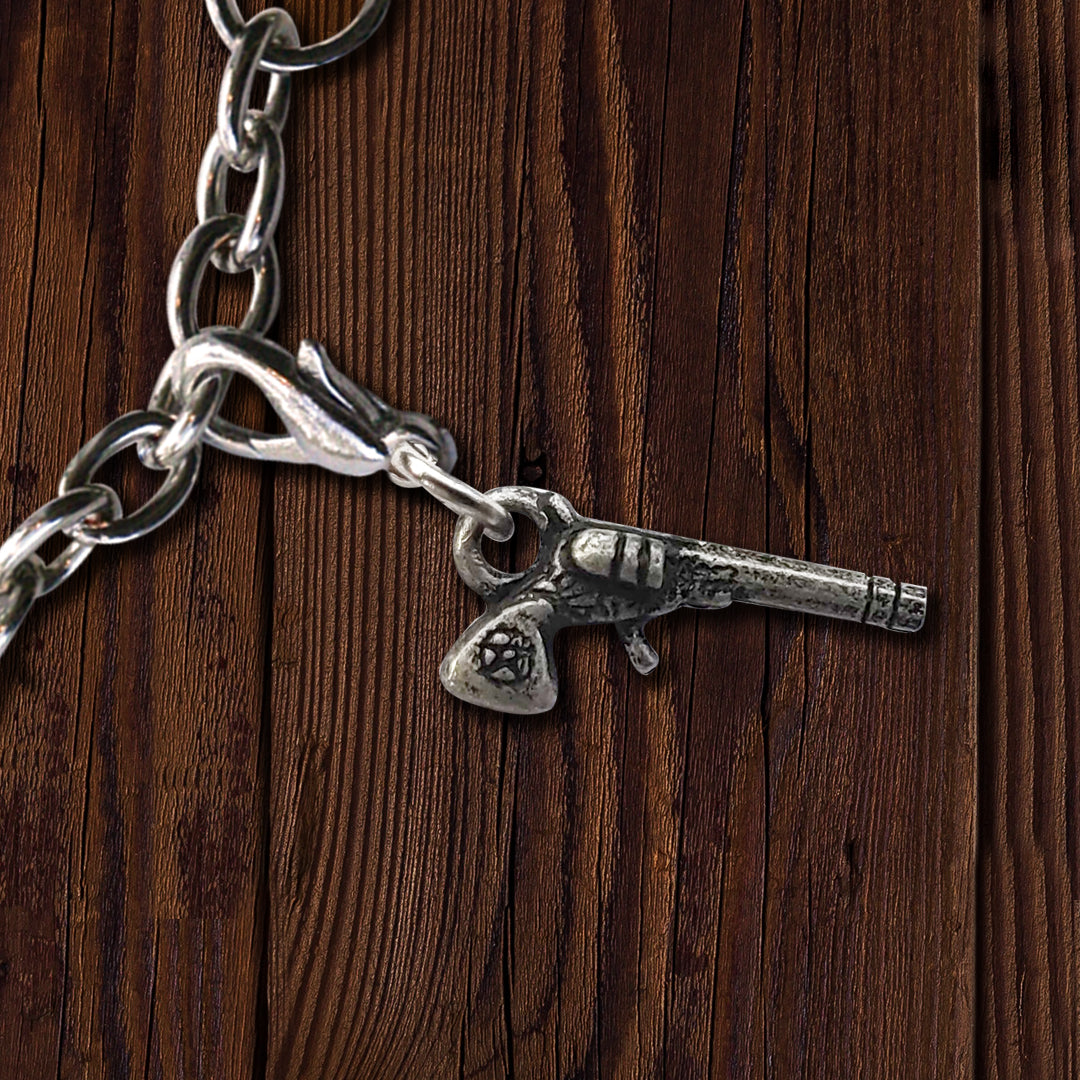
(330,421)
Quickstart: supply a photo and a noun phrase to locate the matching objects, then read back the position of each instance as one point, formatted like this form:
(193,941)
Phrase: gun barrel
(751,577)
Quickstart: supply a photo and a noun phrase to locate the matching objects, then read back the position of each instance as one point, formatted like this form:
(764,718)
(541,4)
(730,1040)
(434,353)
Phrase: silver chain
(327,418)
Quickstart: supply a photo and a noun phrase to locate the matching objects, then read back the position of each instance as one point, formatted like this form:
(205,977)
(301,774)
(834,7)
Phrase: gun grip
(503,661)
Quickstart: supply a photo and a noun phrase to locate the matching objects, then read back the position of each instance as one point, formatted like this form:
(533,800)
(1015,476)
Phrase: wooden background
(795,276)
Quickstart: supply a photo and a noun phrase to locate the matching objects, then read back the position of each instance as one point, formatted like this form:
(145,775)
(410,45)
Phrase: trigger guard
(543,508)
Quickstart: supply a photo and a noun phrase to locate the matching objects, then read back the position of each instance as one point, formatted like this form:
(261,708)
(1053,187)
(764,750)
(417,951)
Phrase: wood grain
(133,804)
(798,277)
(1029,739)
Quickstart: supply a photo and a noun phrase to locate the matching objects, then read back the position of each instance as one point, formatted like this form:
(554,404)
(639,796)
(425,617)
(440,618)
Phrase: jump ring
(229,23)
(189,268)
(234,99)
(413,466)
(123,432)
(538,506)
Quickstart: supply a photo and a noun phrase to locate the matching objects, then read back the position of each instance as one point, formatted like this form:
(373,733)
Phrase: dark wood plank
(881,855)
(1029,881)
(713,269)
(658,255)
(810,923)
(390,811)
(131,799)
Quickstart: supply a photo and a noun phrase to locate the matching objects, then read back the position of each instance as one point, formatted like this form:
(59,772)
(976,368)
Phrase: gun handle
(504,662)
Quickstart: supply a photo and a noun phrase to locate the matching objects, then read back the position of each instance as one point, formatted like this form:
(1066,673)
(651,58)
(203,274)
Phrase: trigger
(642,655)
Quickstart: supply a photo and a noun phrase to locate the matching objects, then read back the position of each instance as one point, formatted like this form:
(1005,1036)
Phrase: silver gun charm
(589,572)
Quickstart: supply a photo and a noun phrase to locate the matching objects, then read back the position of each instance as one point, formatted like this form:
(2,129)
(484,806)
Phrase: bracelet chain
(183,414)
(169,434)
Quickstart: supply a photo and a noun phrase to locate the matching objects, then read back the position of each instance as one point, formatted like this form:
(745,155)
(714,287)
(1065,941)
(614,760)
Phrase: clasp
(330,421)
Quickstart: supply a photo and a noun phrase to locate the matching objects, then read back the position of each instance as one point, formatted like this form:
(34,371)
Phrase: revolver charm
(589,572)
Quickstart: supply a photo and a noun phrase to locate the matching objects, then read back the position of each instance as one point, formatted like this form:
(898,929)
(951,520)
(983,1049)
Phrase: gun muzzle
(751,577)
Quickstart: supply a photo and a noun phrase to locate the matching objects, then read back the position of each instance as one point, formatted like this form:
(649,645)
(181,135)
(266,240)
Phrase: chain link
(125,431)
(229,23)
(18,591)
(188,428)
(80,505)
(260,221)
(234,100)
(332,422)
(169,435)
(219,234)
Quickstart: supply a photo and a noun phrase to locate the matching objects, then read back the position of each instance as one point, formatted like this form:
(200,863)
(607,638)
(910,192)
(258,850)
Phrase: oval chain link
(169,436)
(261,218)
(18,591)
(234,100)
(125,431)
(229,23)
(218,234)
(79,505)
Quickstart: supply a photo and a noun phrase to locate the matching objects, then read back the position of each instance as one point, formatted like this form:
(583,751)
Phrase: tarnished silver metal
(234,100)
(412,465)
(229,23)
(589,572)
(123,432)
(89,504)
(331,422)
(18,591)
